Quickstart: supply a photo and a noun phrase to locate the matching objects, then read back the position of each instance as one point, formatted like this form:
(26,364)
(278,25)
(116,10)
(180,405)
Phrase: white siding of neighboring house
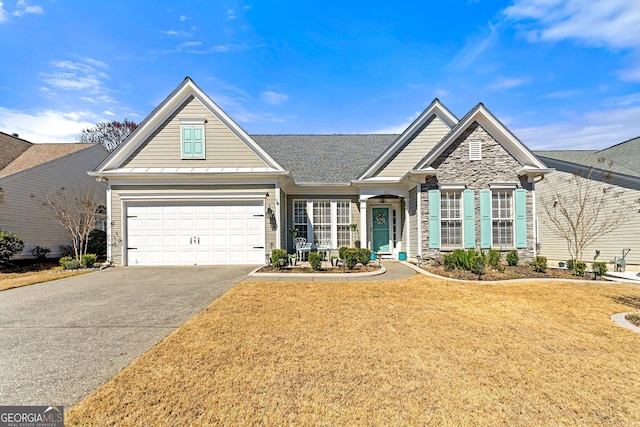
(554,247)
(118,222)
(222,147)
(22,214)
(416,149)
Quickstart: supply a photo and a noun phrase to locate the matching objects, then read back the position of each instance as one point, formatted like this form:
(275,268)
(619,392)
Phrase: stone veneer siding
(496,166)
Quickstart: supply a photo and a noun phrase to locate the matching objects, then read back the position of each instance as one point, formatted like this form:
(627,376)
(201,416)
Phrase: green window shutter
(187,141)
(485,219)
(198,141)
(521,218)
(469,219)
(434,219)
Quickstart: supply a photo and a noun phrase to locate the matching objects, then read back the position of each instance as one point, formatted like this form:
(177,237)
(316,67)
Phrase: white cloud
(509,83)
(592,130)
(84,75)
(183,18)
(3,13)
(108,113)
(474,47)
(46,126)
(273,98)
(23,8)
(176,33)
(562,94)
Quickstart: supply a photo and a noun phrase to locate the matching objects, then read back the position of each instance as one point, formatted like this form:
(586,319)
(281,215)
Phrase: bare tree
(584,207)
(109,134)
(76,210)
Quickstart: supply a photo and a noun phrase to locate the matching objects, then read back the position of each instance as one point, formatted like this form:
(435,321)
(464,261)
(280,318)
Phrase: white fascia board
(186,89)
(435,109)
(496,129)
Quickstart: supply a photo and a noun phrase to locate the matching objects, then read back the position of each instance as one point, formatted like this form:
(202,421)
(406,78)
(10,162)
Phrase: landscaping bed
(510,272)
(328,270)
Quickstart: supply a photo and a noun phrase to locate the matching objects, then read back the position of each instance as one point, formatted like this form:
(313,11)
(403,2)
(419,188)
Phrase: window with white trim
(502,218)
(300,219)
(101,218)
(343,214)
(451,218)
(321,220)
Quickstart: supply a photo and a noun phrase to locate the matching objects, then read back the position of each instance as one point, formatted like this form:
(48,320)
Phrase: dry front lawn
(418,352)
(16,280)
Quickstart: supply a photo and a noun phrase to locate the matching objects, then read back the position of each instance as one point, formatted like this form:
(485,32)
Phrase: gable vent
(475,150)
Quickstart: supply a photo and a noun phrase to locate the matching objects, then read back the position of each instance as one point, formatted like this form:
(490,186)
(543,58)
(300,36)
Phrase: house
(190,186)
(620,164)
(29,172)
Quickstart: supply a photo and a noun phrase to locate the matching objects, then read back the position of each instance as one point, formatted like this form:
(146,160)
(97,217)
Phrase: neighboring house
(190,186)
(623,162)
(30,171)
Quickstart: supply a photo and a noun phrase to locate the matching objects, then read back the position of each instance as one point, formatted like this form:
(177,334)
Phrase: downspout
(278,217)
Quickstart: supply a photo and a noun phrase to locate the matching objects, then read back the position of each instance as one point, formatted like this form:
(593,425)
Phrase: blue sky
(559,74)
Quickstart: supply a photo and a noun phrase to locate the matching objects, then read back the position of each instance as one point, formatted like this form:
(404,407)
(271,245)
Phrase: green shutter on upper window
(485,219)
(434,219)
(198,141)
(521,217)
(469,219)
(187,141)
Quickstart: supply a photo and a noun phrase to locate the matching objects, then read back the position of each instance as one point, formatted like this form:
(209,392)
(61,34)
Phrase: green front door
(380,229)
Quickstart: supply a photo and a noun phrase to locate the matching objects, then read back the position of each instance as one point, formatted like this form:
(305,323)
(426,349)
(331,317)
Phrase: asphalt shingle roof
(10,148)
(330,159)
(38,154)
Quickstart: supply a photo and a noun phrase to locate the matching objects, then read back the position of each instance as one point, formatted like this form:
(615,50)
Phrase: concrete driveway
(60,340)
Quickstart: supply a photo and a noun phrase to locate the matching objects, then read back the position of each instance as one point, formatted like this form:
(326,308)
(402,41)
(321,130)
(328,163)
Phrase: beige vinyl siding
(22,214)
(610,245)
(118,221)
(355,214)
(222,147)
(413,222)
(434,130)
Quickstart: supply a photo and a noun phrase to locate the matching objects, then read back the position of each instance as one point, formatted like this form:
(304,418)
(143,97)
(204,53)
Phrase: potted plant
(334,260)
(294,232)
(292,260)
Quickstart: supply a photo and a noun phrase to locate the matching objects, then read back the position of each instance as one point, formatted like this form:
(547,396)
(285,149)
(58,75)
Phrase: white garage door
(196,233)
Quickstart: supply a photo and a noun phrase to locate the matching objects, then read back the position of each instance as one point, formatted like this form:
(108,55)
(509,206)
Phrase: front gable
(158,145)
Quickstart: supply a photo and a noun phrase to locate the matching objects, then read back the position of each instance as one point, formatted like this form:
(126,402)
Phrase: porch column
(363,223)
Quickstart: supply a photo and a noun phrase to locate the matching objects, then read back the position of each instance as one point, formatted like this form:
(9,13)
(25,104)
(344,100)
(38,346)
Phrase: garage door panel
(203,233)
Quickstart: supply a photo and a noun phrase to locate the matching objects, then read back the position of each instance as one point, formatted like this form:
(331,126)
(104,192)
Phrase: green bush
(350,258)
(64,260)
(277,255)
(315,260)
(579,268)
(72,264)
(341,251)
(571,263)
(10,244)
(363,255)
(87,260)
(600,268)
(491,259)
(67,250)
(539,264)
(97,243)
(40,253)
(513,258)
(449,261)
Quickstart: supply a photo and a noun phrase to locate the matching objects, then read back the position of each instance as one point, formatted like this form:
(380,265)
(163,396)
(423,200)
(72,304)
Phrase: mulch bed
(517,272)
(359,269)
(634,319)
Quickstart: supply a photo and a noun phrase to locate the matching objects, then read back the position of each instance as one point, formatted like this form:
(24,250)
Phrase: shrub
(350,258)
(277,255)
(72,264)
(571,263)
(513,258)
(539,264)
(363,255)
(599,268)
(88,260)
(341,251)
(40,253)
(10,244)
(97,243)
(491,259)
(315,260)
(579,268)
(449,261)
(64,260)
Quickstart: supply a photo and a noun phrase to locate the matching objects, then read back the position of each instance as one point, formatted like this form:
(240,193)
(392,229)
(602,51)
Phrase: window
(502,218)
(192,140)
(300,219)
(323,220)
(450,219)
(101,218)
(343,220)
